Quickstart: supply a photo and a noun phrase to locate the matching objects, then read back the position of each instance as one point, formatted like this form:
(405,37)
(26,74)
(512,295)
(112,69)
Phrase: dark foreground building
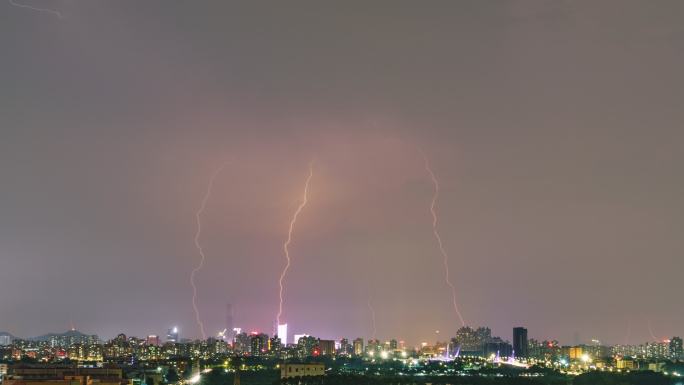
(520,347)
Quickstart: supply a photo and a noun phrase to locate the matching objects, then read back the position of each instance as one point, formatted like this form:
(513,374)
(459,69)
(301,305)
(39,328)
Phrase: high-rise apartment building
(676,351)
(358,347)
(520,344)
(327,347)
(258,344)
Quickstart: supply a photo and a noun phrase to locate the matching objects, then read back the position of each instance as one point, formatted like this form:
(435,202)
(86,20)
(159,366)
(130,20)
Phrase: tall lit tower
(282,334)
(676,348)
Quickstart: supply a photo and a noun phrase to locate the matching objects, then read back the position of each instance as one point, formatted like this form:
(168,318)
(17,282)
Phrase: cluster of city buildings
(75,349)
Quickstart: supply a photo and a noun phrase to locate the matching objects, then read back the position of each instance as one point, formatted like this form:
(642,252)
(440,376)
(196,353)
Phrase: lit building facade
(358,347)
(301,370)
(153,340)
(172,335)
(676,352)
(258,344)
(282,334)
(327,347)
(469,341)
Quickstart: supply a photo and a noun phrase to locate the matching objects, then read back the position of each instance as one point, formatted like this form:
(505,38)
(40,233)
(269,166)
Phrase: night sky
(556,129)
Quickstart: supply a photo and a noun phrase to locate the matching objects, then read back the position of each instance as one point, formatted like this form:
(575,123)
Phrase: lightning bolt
(435,231)
(199,266)
(45,10)
(372,311)
(287,243)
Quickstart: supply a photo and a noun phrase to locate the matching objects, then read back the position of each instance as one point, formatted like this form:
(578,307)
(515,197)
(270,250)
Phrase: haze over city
(554,129)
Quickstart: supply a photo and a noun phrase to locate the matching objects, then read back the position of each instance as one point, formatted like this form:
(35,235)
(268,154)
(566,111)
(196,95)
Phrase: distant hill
(47,337)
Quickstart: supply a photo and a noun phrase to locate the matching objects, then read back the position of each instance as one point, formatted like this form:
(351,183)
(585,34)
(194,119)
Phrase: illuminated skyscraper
(274,345)
(358,347)
(676,350)
(282,334)
(242,342)
(258,344)
(345,347)
(172,335)
(520,346)
(308,346)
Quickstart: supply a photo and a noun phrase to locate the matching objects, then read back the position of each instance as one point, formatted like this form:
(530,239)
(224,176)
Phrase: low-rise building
(63,375)
(302,370)
(626,364)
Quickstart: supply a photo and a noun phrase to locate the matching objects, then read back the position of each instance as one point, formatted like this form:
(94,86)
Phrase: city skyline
(174,334)
(552,130)
(519,342)
(475,342)
(471,353)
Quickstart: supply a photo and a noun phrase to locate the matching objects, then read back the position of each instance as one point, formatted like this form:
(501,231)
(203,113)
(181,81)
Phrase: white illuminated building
(282,334)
